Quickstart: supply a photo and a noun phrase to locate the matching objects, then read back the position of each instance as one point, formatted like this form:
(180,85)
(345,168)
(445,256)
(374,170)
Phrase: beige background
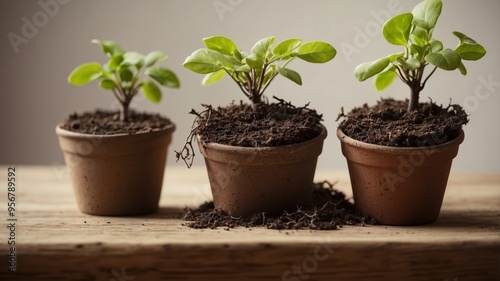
(35,95)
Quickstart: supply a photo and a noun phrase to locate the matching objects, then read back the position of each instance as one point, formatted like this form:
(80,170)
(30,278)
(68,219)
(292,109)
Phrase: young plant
(254,72)
(121,75)
(413,31)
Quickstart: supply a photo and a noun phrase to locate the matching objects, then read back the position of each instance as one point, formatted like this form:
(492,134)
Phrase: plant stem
(124,112)
(415,93)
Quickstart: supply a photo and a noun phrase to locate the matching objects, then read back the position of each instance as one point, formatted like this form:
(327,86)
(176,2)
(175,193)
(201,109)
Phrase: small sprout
(413,31)
(121,74)
(254,72)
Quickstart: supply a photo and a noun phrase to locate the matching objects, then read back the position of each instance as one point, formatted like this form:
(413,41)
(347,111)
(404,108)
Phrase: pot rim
(395,149)
(225,147)
(66,133)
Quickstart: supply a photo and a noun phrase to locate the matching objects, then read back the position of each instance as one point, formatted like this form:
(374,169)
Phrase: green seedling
(414,32)
(122,75)
(253,72)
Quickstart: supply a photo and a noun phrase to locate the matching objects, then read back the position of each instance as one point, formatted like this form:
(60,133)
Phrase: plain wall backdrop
(43,40)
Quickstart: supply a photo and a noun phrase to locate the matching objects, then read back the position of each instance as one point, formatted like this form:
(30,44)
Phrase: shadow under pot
(116,175)
(399,185)
(246,180)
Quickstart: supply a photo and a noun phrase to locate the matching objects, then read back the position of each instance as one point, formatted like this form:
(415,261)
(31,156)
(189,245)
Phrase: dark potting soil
(266,125)
(101,122)
(388,123)
(328,209)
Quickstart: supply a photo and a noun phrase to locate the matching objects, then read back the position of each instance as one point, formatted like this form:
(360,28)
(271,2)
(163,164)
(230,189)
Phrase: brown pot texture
(246,180)
(116,175)
(399,186)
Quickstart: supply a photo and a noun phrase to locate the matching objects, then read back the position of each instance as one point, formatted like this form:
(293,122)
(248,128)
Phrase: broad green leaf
(213,77)
(290,74)
(468,49)
(284,48)
(151,91)
(243,68)
(205,61)
(126,75)
(369,69)
(420,36)
(394,57)
(436,46)
(263,47)
(85,73)
(133,58)
(426,13)
(385,79)
(462,69)
(115,61)
(254,61)
(164,77)
(237,55)
(446,59)
(413,63)
(418,51)
(107,84)
(109,48)
(397,30)
(221,44)
(270,72)
(153,57)
(316,52)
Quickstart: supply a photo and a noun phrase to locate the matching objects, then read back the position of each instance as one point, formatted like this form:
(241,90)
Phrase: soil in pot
(327,209)
(116,167)
(388,123)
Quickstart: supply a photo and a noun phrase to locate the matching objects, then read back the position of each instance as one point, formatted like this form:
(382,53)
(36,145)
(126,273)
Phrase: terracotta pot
(269,179)
(399,186)
(116,175)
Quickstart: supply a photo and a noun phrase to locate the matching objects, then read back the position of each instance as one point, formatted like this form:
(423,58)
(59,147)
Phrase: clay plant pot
(116,175)
(399,186)
(246,180)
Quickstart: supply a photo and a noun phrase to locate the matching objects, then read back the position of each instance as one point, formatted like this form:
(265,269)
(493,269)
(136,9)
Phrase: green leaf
(237,55)
(418,51)
(426,14)
(397,29)
(126,75)
(220,44)
(285,48)
(316,52)
(436,46)
(85,73)
(114,62)
(164,77)
(420,36)
(133,58)
(109,48)
(153,57)
(468,49)
(385,79)
(290,74)
(413,63)
(151,91)
(205,61)
(213,77)
(369,69)
(270,72)
(254,61)
(244,68)
(263,47)
(462,69)
(394,57)
(446,59)
(107,84)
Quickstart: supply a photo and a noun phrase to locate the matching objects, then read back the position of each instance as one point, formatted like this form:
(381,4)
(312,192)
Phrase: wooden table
(54,241)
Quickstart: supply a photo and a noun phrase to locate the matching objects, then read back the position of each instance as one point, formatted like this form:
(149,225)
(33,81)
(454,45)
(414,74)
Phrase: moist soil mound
(101,122)
(266,125)
(328,209)
(388,123)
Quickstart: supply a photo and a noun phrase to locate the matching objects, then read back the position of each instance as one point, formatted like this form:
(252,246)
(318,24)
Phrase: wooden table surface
(54,241)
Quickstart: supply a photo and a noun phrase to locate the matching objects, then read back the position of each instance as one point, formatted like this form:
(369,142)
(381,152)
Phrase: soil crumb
(102,122)
(388,123)
(328,209)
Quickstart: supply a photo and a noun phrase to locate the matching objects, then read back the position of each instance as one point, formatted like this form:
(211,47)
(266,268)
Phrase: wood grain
(57,242)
